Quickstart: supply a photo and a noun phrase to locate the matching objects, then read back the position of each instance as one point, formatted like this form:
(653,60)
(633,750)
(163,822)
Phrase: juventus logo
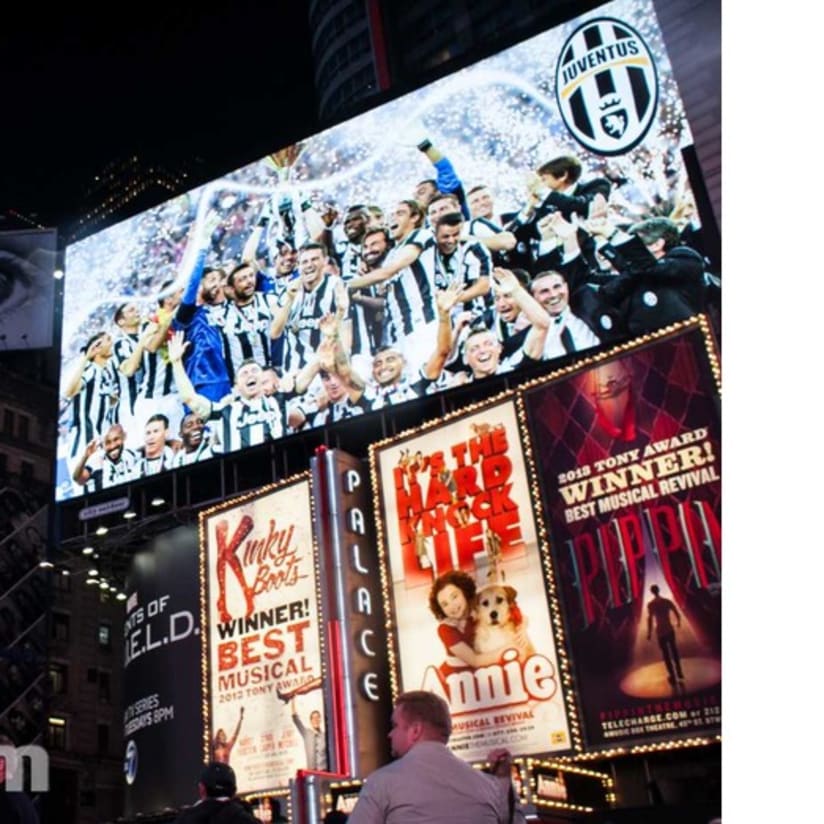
(607,86)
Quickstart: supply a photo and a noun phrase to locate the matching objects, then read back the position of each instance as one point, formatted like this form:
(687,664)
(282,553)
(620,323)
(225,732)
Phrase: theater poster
(466,583)
(262,649)
(627,451)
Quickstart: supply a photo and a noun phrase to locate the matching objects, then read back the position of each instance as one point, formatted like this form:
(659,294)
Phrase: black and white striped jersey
(202,453)
(158,380)
(113,473)
(122,349)
(246,332)
(340,411)
(157,464)
(302,328)
(400,392)
(465,266)
(410,294)
(243,423)
(93,407)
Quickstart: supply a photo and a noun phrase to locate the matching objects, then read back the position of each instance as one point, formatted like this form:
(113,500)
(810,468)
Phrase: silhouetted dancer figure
(658,610)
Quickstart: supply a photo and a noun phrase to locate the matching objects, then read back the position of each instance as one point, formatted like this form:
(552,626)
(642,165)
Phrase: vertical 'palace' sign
(356,636)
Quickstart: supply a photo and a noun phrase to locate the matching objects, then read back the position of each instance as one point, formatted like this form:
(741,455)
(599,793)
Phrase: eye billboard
(27,261)
(332,278)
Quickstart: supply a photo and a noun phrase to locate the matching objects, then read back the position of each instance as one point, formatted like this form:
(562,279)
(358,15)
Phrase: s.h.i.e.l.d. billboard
(486,221)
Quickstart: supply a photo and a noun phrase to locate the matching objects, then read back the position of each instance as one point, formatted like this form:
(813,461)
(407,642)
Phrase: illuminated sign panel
(627,452)
(160,311)
(466,583)
(262,644)
(356,662)
(27,263)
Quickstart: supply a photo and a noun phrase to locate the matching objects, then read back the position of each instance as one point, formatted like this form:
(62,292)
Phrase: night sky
(169,81)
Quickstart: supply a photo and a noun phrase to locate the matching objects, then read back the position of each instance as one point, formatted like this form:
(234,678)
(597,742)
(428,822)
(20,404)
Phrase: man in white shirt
(427,782)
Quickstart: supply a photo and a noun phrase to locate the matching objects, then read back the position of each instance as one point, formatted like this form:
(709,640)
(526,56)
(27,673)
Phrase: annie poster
(628,455)
(262,652)
(466,583)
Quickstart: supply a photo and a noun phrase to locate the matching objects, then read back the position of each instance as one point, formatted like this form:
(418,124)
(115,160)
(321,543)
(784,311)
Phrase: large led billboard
(494,218)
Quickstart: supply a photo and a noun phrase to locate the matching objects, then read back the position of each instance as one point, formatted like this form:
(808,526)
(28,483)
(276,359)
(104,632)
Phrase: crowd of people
(282,316)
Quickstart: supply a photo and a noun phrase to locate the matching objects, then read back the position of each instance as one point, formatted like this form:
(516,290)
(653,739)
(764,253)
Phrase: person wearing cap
(217,802)
(428,782)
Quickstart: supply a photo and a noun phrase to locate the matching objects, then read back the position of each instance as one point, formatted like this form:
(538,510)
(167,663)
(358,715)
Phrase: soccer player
(92,387)
(508,320)
(195,439)
(338,389)
(447,180)
(392,382)
(411,312)
(156,454)
(350,254)
(116,464)
(482,351)
(464,262)
(199,314)
(305,302)
(246,320)
(494,238)
(245,418)
(567,332)
(376,246)
(127,358)
(157,393)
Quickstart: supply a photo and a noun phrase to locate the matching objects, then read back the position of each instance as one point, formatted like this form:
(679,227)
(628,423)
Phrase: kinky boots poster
(262,645)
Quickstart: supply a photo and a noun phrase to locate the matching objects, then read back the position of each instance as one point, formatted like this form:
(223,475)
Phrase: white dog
(499,624)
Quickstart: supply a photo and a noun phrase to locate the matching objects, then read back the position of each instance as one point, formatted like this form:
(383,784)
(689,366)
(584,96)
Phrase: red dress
(451,636)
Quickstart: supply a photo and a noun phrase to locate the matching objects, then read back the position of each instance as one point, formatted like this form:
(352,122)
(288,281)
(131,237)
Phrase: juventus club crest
(607,86)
